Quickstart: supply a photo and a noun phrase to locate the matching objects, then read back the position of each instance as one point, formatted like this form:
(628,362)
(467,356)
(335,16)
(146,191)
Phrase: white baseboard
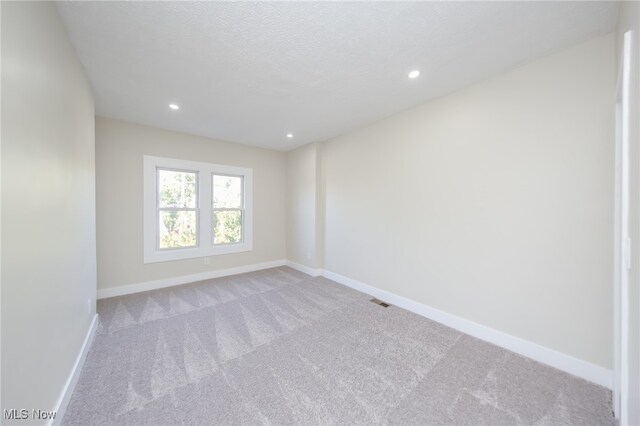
(184,279)
(303,268)
(74,375)
(577,367)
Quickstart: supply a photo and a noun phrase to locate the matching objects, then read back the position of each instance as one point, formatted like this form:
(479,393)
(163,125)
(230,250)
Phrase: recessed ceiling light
(174,106)
(414,74)
(289,135)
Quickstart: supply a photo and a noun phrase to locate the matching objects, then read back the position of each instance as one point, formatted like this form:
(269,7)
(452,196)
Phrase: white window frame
(204,209)
(168,209)
(242,208)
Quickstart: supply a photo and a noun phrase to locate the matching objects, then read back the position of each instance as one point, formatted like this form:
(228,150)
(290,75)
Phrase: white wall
(630,20)
(493,204)
(48,206)
(302,206)
(120,147)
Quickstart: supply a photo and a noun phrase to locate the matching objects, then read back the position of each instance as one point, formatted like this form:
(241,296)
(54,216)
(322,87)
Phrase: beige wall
(493,204)
(48,206)
(302,206)
(630,20)
(120,147)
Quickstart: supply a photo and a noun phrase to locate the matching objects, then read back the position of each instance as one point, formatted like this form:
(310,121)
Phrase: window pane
(177,229)
(176,189)
(227,192)
(227,227)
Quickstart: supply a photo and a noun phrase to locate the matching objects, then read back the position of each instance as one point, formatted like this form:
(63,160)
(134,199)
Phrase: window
(194,209)
(177,208)
(227,209)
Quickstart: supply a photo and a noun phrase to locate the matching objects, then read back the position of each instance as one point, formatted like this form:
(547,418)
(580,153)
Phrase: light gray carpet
(280,347)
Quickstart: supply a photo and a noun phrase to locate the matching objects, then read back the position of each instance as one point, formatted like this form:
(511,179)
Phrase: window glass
(227,226)
(177,189)
(227,191)
(177,228)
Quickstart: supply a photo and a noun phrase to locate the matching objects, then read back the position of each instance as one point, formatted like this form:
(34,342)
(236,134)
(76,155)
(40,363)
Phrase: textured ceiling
(251,72)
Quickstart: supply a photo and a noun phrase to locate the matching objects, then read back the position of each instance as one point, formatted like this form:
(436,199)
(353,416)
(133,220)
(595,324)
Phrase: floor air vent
(380,302)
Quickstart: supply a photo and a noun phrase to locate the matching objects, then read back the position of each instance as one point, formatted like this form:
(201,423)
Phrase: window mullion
(206,202)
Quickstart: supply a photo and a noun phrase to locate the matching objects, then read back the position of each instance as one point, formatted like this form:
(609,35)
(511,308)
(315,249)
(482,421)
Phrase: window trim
(205,172)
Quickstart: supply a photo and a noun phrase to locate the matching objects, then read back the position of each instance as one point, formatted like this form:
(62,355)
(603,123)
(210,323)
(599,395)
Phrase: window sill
(156,256)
